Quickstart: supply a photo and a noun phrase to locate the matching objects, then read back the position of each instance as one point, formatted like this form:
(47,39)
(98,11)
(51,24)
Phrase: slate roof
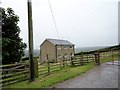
(60,42)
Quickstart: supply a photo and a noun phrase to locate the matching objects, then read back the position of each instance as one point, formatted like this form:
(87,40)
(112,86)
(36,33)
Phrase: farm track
(103,76)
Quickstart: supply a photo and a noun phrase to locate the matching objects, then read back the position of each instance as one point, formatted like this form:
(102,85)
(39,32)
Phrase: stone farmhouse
(56,50)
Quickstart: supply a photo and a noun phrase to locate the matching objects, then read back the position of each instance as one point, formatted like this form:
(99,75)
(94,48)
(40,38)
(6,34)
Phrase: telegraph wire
(54,19)
(55,25)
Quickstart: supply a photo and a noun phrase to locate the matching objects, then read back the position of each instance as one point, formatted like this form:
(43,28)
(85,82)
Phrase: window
(70,46)
(65,47)
(72,54)
(65,55)
(59,47)
(59,56)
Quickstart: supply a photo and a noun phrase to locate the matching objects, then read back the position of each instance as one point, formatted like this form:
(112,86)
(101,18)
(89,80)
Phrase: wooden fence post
(36,68)
(87,58)
(104,55)
(25,67)
(60,61)
(63,61)
(72,61)
(112,57)
(97,57)
(81,59)
(48,65)
(93,60)
(60,66)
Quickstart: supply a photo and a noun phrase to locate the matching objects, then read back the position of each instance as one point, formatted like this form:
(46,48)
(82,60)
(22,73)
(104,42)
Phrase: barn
(56,50)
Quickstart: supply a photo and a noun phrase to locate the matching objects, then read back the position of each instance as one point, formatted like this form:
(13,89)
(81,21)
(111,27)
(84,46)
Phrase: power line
(55,26)
(54,19)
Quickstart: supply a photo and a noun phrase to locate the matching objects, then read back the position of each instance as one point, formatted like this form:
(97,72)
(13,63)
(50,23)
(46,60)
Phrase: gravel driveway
(103,76)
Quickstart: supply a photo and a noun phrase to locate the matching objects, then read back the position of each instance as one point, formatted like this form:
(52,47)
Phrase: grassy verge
(56,77)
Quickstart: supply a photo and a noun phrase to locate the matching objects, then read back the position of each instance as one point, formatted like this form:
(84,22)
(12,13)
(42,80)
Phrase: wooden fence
(79,60)
(20,71)
(48,68)
(111,54)
(14,73)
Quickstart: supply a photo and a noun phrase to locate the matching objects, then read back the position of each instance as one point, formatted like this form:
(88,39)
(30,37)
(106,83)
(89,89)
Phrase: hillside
(86,49)
(79,49)
(36,53)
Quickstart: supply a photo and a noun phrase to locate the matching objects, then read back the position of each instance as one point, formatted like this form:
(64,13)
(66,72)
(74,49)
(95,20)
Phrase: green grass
(56,77)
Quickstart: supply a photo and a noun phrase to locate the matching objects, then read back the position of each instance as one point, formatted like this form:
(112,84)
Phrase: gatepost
(97,57)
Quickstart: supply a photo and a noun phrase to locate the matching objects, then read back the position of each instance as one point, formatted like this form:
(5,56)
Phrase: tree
(12,45)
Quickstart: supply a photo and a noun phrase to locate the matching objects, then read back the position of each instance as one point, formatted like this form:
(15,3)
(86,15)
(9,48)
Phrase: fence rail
(14,73)
(47,68)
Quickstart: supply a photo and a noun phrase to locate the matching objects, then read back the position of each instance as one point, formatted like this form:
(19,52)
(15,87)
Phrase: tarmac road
(103,76)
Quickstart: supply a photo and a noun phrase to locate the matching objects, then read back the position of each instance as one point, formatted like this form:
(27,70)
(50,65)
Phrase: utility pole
(30,36)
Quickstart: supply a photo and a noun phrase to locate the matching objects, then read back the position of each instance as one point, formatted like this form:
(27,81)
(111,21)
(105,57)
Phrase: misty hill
(77,50)
(116,47)
(86,49)
(36,53)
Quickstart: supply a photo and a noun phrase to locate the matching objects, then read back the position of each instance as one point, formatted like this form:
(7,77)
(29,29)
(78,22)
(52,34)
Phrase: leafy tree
(12,45)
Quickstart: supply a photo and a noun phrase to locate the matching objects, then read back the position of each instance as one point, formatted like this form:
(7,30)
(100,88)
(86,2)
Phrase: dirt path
(103,76)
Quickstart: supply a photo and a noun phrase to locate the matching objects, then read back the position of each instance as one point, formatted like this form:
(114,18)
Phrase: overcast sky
(85,23)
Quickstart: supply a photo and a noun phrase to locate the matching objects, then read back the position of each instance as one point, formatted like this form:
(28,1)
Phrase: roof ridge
(59,41)
(56,39)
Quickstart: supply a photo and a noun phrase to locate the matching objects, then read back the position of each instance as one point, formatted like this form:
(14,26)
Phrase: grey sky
(83,22)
